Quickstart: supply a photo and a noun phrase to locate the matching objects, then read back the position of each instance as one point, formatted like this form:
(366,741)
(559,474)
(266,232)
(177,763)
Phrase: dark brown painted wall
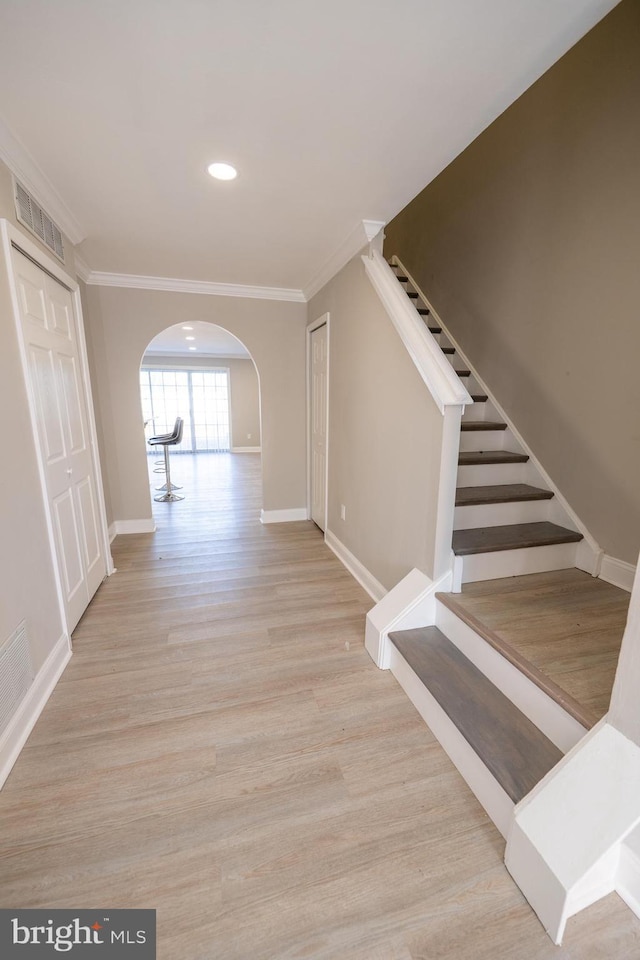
(528,244)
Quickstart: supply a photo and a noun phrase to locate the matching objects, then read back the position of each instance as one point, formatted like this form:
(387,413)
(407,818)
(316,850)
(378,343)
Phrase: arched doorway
(200,372)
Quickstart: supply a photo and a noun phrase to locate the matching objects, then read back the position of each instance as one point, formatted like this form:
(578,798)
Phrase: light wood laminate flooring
(221,748)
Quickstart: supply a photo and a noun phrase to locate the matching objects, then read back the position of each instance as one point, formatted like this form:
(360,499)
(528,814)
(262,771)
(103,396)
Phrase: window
(200,397)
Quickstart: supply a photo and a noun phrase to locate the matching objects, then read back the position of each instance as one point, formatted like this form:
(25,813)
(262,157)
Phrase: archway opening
(202,374)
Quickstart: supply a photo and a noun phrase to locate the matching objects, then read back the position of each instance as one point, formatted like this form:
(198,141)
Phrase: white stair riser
(556,724)
(499,514)
(483,784)
(482,440)
(480,475)
(514,563)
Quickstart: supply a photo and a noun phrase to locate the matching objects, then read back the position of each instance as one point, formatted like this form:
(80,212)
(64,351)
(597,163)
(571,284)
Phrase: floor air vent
(16,674)
(33,216)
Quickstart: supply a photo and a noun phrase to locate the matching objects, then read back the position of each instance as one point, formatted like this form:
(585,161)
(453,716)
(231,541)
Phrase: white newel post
(566,848)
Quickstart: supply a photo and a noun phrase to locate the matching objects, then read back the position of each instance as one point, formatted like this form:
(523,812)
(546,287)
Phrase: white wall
(385,434)
(121,323)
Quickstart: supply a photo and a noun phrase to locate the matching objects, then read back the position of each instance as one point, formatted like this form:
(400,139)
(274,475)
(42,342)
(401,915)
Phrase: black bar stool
(165,441)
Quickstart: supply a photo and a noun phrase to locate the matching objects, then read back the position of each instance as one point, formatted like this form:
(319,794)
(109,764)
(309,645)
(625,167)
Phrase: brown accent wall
(529,246)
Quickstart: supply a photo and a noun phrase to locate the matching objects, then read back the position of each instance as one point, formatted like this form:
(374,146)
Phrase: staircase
(508,521)
(504,724)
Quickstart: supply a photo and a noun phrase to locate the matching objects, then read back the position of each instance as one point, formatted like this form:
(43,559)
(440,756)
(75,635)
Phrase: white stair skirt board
(486,788)
(513,563)
(617,572)
(562,729)
(133,526)
(411,603)
(364,577)
(628,878)
(499,514)
(22,723)
(284,516)
(564,845)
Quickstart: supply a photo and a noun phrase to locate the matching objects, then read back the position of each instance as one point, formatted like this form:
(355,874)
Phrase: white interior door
(60,404)
(319,426)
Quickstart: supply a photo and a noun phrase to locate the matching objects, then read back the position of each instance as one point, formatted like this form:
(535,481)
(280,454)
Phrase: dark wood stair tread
(402,279)
(500,493)
(479,397)
(476,457)
(449,350)
(424,312)
(508,743)
(511,536)
(463,373)
(471,425)
(412,295)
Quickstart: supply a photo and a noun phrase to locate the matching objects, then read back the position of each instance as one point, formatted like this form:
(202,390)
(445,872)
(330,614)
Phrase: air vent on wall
(33,216)
(16,674)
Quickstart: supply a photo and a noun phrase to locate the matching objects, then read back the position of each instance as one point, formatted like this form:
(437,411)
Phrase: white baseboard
(617,572)
(132,526)
(23,721)
(366,579)
(246,449)
(628,878)
(283,516)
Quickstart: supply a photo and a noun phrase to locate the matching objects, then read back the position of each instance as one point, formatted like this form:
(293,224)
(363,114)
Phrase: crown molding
(360,236)
(24,167)
(209,288)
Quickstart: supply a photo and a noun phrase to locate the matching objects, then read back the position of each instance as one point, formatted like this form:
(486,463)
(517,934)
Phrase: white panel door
(319,426)
(60,404)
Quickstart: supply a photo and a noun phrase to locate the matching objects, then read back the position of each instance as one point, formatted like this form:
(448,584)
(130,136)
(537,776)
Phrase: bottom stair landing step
(513,749)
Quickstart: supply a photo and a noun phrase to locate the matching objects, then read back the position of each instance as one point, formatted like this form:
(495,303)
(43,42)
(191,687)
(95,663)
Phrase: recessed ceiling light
(193,348)
(186,327)
(222,171)
(189,338)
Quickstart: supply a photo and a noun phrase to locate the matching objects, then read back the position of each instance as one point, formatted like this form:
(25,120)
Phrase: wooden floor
(566,624)
(221,748)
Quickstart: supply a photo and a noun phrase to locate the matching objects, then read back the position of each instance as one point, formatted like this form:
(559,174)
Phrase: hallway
(222,749)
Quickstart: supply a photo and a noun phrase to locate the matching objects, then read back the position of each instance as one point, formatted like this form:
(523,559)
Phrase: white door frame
(324,320)
(11,235)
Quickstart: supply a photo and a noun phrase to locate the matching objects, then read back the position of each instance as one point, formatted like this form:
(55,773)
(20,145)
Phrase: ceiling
(333,112)
(208,340)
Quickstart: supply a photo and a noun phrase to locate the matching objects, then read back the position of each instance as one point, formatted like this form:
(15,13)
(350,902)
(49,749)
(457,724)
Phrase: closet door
(59,400)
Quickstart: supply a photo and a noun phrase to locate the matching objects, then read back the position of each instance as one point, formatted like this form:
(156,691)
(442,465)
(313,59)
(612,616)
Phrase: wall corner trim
(32,705)
(357,569)
(283,516)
